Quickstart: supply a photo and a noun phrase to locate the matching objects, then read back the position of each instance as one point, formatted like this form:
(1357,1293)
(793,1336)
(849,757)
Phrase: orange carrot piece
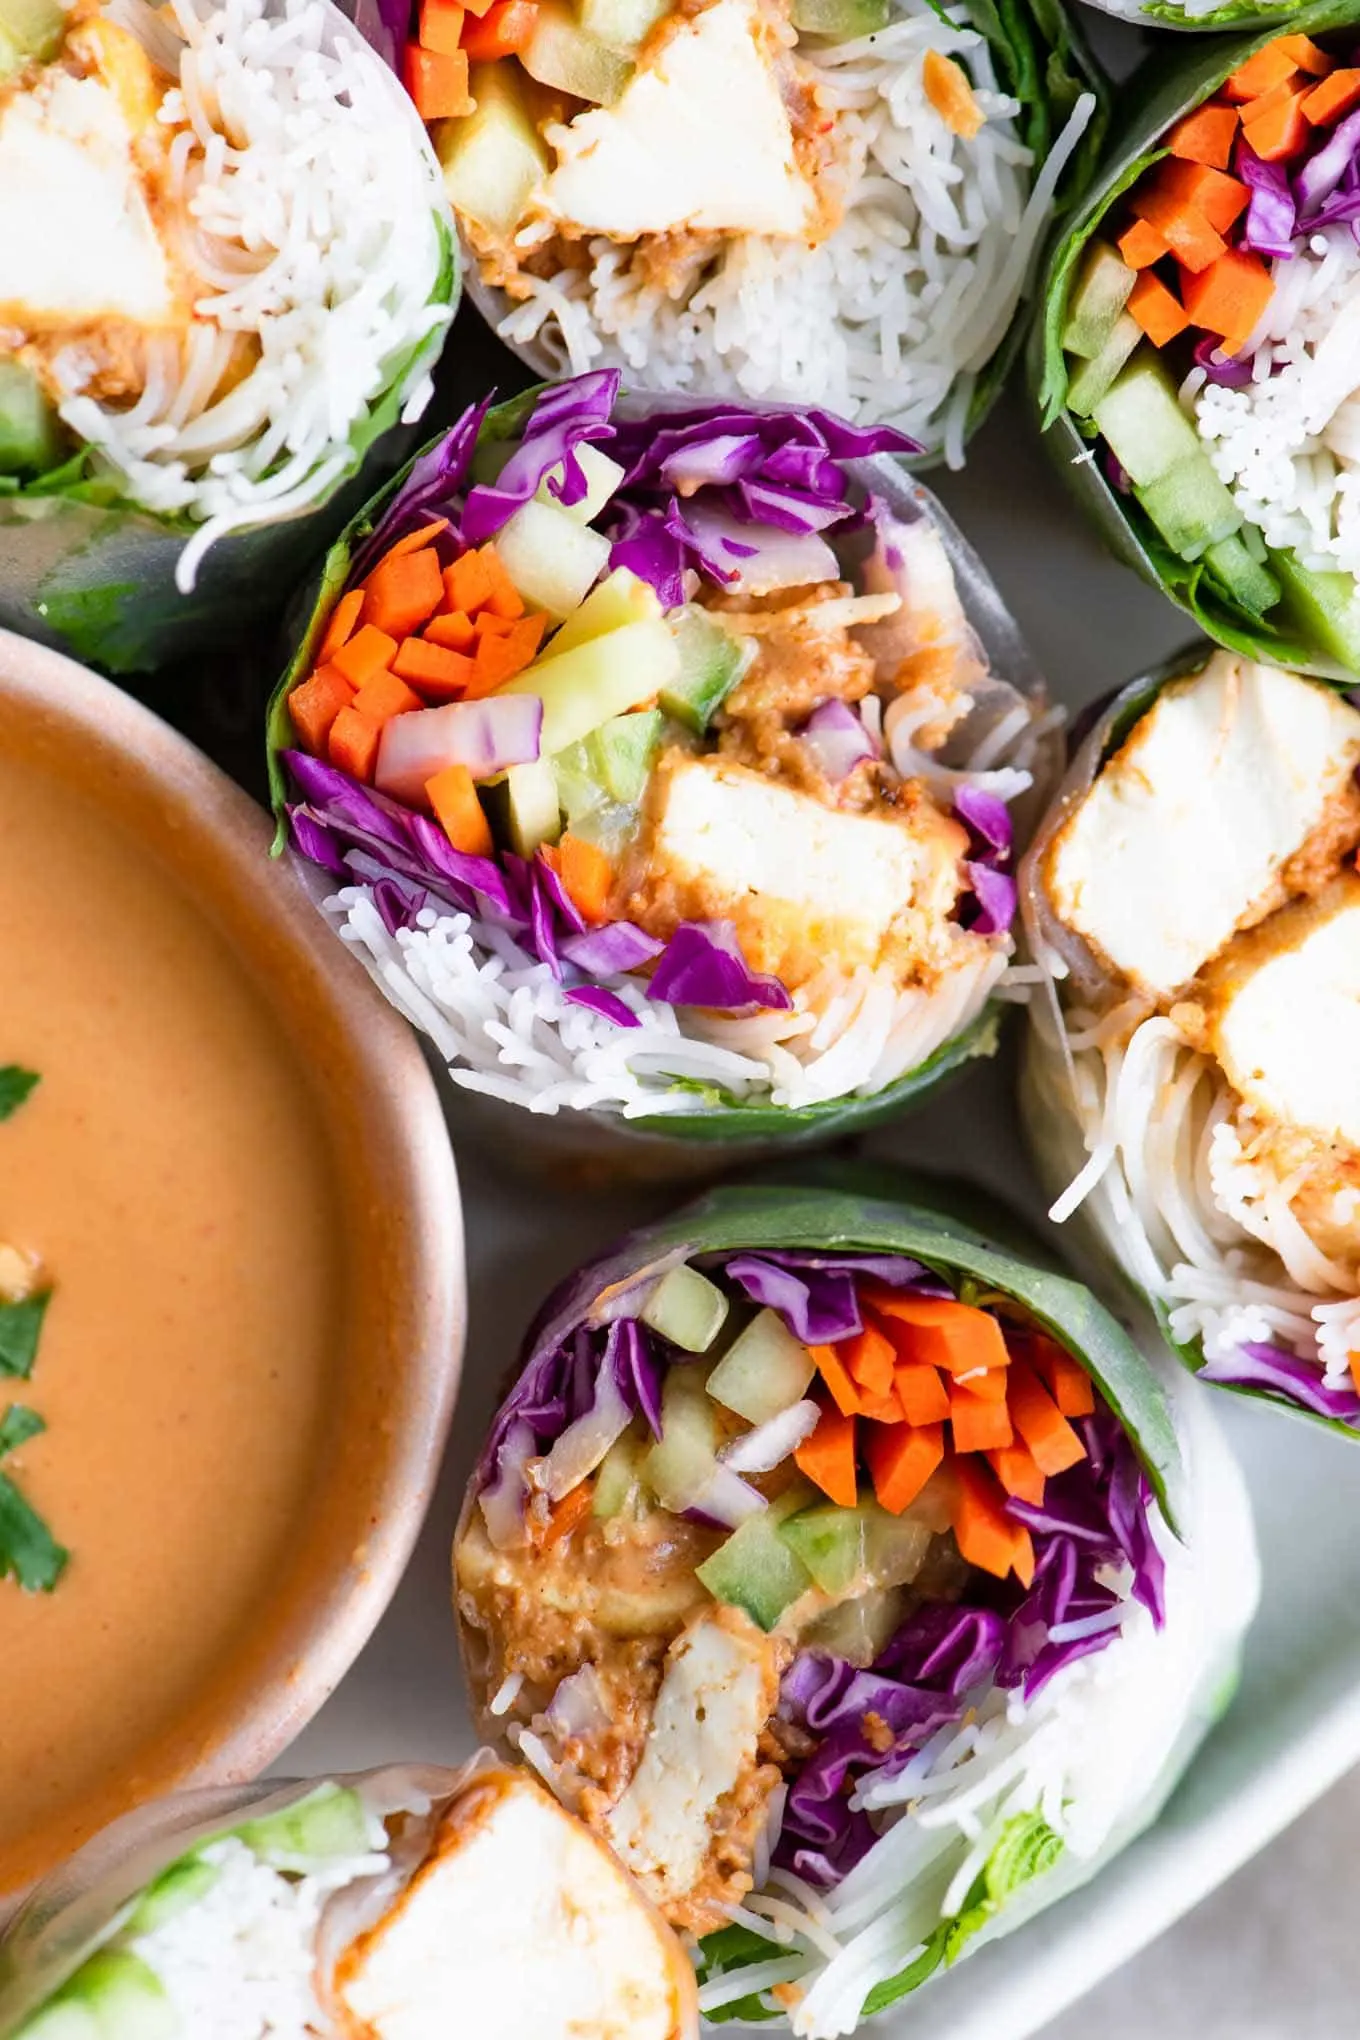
(414,541)
(1205,136)
(353,744)
(437,83)
(505,29)
(1142,245)
(1066,1381)
(1280,131)
(1186,232)
(1042,1425)
(486,623)
(1022,1558)
(441,26)
(368,652)
(403,593)
(476,7)
(1270,67)
(1229,297)
(573,1508)
(1014,1466)
(433,670)
(315,705)
(1353,1362)
(452,794)
(987,1384)
(1153,307)
(504,598)
(871,1357)
(501,657)
(844,1392)
(884,1409)
(1306,55)
(901,1458)
(453,630)
(587,877)
(935,1331)
(922,1394)
(828,1457)
(984,1533)
(468,583)
(384,696)
(1219,198)
(1334,96)
(978,1426)
(340,629)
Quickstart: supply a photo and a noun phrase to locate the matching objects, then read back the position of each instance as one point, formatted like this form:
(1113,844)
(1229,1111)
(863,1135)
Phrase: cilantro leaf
(17,1426)
(29,1553)
(15,1085)
(20,1330)
(736,1948)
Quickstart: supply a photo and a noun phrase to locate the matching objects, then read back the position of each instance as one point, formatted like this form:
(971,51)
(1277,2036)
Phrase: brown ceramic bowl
(390,1386)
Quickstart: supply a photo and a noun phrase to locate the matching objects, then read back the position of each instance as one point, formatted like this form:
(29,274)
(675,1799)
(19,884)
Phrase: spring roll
(824,1558)
(362,1906)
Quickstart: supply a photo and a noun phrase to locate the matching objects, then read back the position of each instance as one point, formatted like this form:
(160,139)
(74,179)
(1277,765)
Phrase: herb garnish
(29,1553)
(20,1330)
(15,1085)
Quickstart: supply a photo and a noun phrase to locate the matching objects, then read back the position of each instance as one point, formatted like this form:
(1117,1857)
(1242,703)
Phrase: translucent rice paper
(96,577)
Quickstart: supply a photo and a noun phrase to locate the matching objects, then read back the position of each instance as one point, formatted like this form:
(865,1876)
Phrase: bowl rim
(346,1606)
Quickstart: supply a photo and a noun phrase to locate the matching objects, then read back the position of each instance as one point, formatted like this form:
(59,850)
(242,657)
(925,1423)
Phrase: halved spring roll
(822,1558)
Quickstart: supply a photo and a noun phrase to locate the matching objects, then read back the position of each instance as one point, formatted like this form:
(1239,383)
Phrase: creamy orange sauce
(172,1172)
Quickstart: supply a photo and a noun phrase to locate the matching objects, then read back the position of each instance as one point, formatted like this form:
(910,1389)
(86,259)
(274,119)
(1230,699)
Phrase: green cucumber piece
(684,1456)
(620,1476)
(1242,578)
(1141,420)
(593,682)
(620,598)
(1325,605)
(493,158)
(686,1308)
(30,432)
(622,24)
(329,1822)
(34,29)
(856,1549)
(551,558)
(532,811)
(112,1996)
(840,20)
(561,53)
(1190,506)
(602,478)
(858,1629)
(756,1569)
(1094,378)
(711,663)
(621,752)
(579,791)
(182,1885)
(1098,301)
(764,1371)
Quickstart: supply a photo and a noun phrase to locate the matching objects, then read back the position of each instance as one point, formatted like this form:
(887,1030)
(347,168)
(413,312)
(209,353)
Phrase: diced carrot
(573,1509)
(1306,55)
(984,1533)
(477,7)
(368,652)
(1218,197)
(403,593)
(988,1384)
(436,672)
(505,598)
(452,630)
(468,583)
(1015,1468)
(901,1458)
(437,83)
(934,1331)
(1353,1362)
(441,25)
(828,1457)
(384,696)
(499,658)
(1066,1381)
(1142,245)
(414,541)
(978,1426)
(1281,131)
(884,1409)
(1153,307)
(1334,96)
(340,629)
(1042,1425)
(1270,67)
(949,92)
(315,705)
(1254,109)
(486,623)
(353,744)
(505,29)
(452,794)
(587,878)
(922,1394)
(831,1367)
(1186,232)
(870,1357)
(1205,136)
(1229,297)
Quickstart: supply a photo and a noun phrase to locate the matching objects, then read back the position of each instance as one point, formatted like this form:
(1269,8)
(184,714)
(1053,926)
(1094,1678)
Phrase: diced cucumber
(1190,507)
(1096,304)
(1142,421)
(532,811)
(756,1569)
(1255,543)
(621,753)
(858,1629)
(764,1371)
(112,1996)
(493,157)
(34,29)
(686,1308)
(602,476)
(1241,576)
(620,598)
(1324,604)
(623,24)
(578,788)
(182,1885)
(329,1822)
(597,680)
(684,1456)
(1095,377)
(619,1479)
(859,1548)
(712,661)
(840,20)
(64,2018)
(552,560)
(561,53)
(30,432)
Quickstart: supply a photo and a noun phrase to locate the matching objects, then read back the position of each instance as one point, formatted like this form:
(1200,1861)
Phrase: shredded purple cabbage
(1273,1368)
(608,1005)
(385,26)
(817,1296)
(702,965)
(566,416)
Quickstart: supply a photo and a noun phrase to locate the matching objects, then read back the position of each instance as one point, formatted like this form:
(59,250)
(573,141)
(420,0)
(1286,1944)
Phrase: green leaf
(913,1976)
(15,1086)
(17,1426)
(736,1948)
(28,1551)
(20,1330)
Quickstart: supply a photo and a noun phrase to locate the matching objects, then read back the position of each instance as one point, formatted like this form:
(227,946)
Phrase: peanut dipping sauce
(173,1173)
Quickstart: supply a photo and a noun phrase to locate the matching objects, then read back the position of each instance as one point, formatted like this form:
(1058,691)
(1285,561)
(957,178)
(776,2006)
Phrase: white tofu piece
(717,1694)
(700,138)
(520,1923)
(805,884)
(1284,1015)
(1181,839)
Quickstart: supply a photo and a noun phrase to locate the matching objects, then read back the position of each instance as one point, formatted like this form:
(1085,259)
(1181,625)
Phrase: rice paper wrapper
(1170,82)
(600,1146)
(1213,17)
